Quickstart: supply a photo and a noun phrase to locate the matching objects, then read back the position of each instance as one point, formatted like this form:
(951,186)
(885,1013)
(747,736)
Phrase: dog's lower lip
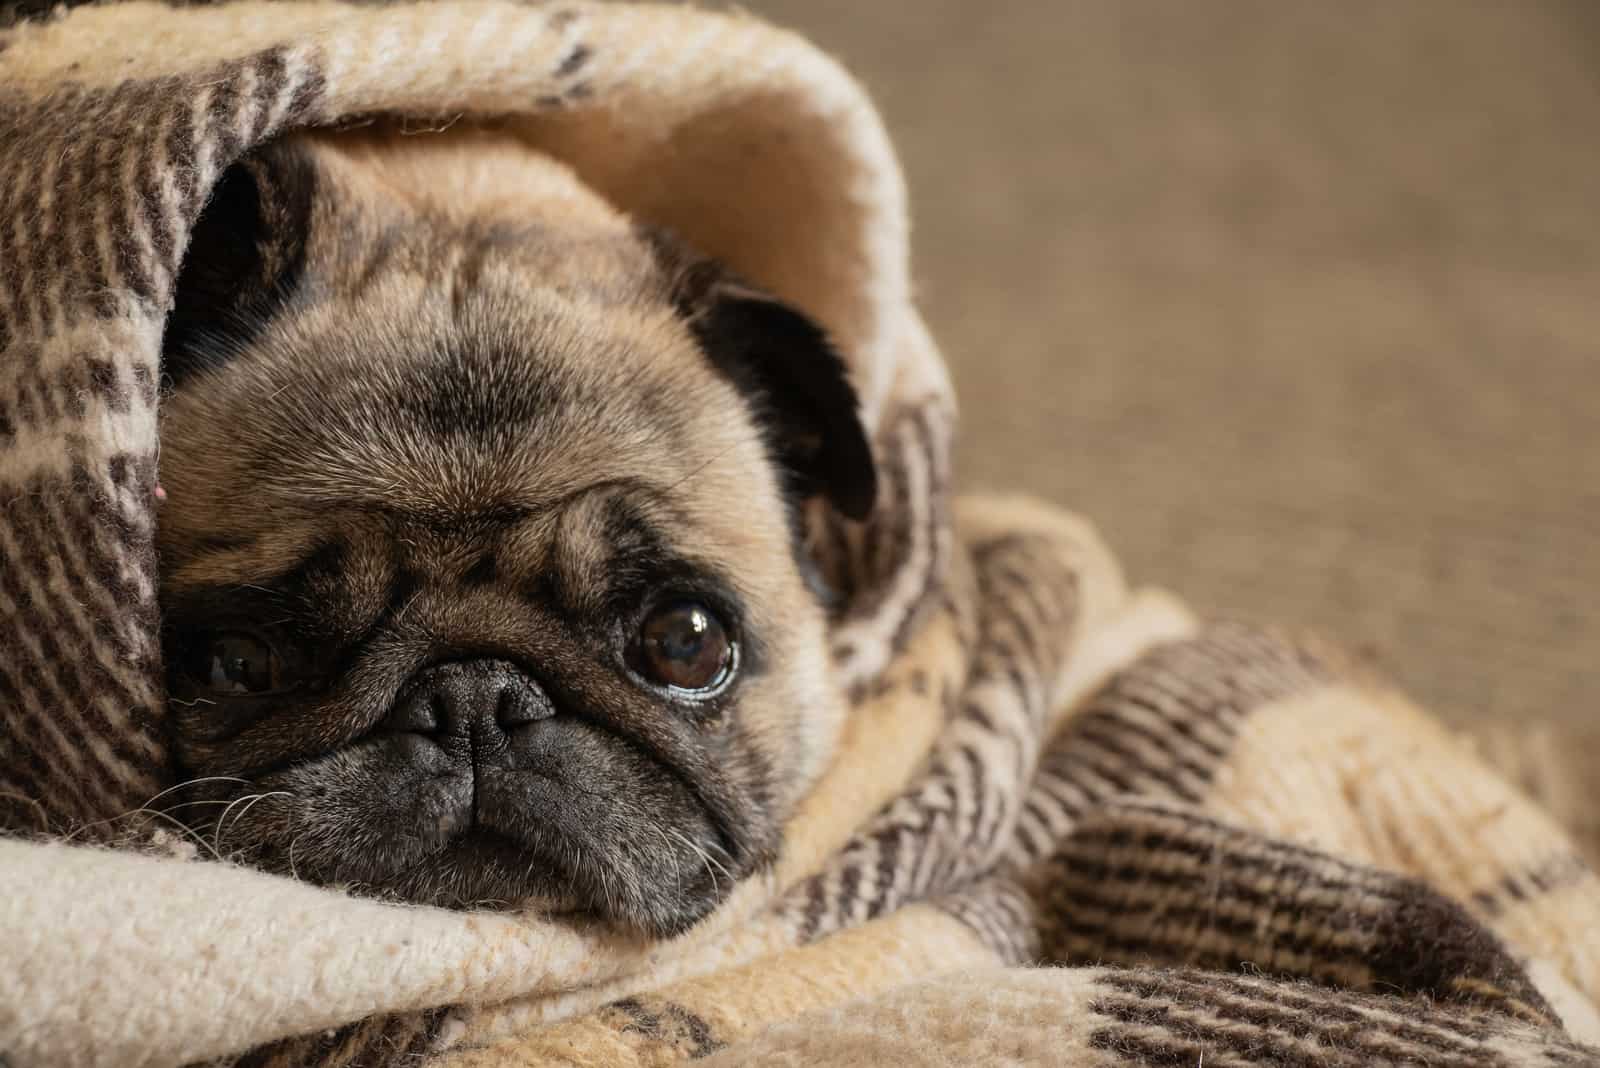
(486,850)
(476,848)
(532,828)
(481,839)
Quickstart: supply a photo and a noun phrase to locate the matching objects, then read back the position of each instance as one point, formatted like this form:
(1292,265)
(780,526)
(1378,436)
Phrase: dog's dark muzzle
(476,788)
(468,723)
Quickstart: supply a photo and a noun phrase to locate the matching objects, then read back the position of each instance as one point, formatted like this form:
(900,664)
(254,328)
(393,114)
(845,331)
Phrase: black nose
(469,698)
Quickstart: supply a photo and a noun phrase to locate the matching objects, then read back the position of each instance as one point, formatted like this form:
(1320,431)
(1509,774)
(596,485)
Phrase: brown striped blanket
(1068,823)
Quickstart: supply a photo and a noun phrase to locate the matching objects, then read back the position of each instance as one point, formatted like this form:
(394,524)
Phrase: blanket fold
(1068,821)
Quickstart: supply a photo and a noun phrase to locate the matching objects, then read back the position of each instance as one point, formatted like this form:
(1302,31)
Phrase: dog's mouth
(485,869)
(511,806)
(613,842)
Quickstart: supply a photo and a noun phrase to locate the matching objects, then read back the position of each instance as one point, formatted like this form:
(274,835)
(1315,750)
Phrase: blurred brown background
(1299,301)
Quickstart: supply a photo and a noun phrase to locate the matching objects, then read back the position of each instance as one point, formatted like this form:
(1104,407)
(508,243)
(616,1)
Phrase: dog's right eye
(684,646)
(232,663)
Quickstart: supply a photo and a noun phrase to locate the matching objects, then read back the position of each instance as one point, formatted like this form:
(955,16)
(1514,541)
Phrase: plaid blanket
(1069,823)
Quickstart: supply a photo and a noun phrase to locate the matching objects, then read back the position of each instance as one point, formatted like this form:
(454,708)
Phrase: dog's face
(481,578)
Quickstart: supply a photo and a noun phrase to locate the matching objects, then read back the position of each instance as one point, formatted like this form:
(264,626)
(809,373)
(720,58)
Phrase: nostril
(420,713)
(465,697)
(521,703)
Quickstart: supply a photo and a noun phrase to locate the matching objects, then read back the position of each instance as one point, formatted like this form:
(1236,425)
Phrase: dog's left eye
(234,663)
(685,646)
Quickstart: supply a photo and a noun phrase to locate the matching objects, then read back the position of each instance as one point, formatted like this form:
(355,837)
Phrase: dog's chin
(544,874)
(562,820)
(489,869)
(484,869)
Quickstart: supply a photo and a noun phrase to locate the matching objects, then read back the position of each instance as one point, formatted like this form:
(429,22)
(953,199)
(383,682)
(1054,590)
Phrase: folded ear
(245,256)
(784,363)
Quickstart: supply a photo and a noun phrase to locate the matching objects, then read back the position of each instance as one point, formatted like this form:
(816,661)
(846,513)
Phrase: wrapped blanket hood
(1239,846)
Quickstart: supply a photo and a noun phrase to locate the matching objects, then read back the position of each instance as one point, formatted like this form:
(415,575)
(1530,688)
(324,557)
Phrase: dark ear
(245,256)
(784,363)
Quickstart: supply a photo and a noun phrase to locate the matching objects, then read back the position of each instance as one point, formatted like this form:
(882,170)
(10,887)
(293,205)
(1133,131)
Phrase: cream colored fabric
(1042,764)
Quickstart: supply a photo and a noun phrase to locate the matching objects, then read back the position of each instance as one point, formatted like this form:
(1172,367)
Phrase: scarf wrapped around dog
(1228,845)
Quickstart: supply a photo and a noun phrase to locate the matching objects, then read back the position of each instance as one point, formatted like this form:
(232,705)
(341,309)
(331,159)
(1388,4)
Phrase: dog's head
(482,581)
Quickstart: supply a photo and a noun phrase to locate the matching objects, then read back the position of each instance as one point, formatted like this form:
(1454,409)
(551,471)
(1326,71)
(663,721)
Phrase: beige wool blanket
(1068,822)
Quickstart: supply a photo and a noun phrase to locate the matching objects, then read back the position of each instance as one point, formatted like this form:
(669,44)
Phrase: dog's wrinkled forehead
(455,325)
(496,361)
(498,399)
(538,319)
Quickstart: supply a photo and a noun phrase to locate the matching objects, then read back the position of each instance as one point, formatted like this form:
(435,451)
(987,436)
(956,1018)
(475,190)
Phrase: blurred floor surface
(1300,302)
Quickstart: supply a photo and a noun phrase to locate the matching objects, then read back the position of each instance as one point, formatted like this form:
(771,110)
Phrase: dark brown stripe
(1098,737)
(1085,873)
(39,772)
(182,174)
(1064,795)
(886,538)
(1073,939)
(1415,940)
(216,132)
(1092,775)
(1026,640)
(937,533)
(1306,1011)
(816,907)
(41,686)
(272,82)
(306,104)
(884,896)
(1250,1023)
(132,264)
(1111,736)
(375,1042)
(87,516)
(95,184)
(101,651)
(49,625)
(976,784)
(16,223)
(573,61)
(152,180)
(1519,887)
(888,559)
(1026,845)
(1187,1042)
(1185,726)
(1349,1007)
(849,884)
(1152,829)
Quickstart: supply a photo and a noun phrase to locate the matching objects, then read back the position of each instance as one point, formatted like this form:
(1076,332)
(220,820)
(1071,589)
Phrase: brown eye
(686,647)
(233,663)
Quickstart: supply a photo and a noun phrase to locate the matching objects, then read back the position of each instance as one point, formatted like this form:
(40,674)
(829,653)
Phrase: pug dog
(481,557)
